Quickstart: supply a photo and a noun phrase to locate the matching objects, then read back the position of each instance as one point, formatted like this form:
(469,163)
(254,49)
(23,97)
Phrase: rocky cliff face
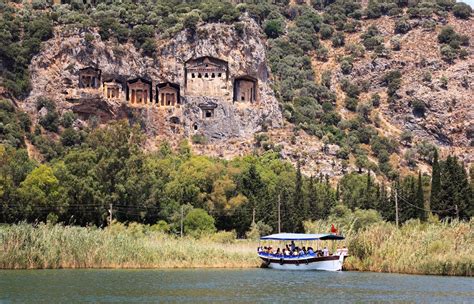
(55,74)
(229,131)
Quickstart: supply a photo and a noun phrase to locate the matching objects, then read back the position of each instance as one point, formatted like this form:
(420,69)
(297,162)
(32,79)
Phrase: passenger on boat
(292,245)
(338,251)
(310,251)
(278,252)
(344,251)
(325,252)
(259,249)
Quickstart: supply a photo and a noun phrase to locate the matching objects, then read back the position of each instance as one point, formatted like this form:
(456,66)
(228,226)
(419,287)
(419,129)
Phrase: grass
(436,248)
(57,246)
(433,247)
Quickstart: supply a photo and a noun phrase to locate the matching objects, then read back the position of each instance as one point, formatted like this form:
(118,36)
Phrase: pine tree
(435,184)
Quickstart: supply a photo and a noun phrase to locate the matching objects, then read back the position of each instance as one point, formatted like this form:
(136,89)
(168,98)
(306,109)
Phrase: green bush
(199,139)
(326,31)
(402,26)
(462,10)
(338,39)
(273,28)
(198,223)
(448,53)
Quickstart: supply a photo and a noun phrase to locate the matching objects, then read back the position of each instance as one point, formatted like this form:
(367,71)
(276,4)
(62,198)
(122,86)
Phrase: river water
(230,286)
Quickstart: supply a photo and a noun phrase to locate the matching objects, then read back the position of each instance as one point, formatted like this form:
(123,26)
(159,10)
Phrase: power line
(427,210)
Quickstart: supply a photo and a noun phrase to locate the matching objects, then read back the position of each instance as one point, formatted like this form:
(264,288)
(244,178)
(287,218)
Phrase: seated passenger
(278,252)
(338,251)
(325,252)
(344,251)
(259,249)
(310,251)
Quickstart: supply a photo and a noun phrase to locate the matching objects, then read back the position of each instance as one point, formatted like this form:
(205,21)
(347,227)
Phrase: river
(230,286)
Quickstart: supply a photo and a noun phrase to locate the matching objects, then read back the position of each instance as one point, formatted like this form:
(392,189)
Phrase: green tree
(301,210)
(41,193)
(420,199)
(435,183)
(274,28)
(198,223)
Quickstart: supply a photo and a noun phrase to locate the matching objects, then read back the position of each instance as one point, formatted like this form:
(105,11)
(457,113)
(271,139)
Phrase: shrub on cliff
(462,10)
(274,28)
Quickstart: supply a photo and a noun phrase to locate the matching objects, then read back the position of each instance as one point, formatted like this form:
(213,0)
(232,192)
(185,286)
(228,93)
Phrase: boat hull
(329,263)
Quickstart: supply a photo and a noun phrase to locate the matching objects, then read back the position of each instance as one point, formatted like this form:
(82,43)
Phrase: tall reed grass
(433,247)
(57,246)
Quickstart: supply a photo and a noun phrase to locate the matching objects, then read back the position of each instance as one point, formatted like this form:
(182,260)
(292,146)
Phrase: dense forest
(86,174)
(90,172)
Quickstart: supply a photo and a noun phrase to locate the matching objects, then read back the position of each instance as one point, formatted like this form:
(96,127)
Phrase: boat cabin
(306,256)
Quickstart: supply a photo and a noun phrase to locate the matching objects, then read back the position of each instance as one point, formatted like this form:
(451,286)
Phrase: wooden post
(279,214)
(110,213)
(396,207)
(182,215)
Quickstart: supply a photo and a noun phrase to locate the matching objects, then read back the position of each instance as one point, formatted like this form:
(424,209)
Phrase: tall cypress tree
(299,213)
(455,194)
(420,199)
(312,199)
(435,184)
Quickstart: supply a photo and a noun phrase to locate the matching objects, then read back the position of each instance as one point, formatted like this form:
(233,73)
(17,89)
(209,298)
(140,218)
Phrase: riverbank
(431,248)
(415,248)
(56,246)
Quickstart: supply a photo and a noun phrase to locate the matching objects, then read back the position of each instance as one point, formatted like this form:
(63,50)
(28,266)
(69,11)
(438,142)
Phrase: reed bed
(57,246)
(437,248)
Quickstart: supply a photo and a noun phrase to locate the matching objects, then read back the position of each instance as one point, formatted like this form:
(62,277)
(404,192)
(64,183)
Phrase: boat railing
(279,256)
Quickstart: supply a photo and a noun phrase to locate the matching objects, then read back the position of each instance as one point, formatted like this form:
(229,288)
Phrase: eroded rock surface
(55,74)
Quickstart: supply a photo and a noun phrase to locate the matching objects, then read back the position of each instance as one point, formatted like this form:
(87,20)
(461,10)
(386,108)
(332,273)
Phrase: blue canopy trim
(302,237)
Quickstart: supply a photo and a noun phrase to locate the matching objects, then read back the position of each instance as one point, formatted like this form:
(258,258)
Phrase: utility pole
(182,216)
(110,213)
(279,214)
(396,207)
(253,216)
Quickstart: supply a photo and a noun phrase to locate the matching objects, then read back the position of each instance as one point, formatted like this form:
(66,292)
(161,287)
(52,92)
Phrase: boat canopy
(302,237)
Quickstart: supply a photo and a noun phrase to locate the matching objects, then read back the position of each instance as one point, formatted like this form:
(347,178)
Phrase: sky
(470,2)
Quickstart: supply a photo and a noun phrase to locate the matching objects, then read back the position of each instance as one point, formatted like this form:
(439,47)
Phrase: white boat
(312,260)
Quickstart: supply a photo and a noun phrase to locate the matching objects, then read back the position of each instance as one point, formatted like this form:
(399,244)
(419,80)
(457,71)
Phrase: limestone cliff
(55,74)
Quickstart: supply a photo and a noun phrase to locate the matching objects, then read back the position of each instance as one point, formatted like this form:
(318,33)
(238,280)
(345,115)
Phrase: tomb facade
(208,110)
(139,92)
(206,76)
(245,89)
(113,89)
(167,94)
(89,78)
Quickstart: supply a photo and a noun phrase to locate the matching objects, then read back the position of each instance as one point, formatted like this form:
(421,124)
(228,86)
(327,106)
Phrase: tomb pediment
(208,106)
(206,63)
